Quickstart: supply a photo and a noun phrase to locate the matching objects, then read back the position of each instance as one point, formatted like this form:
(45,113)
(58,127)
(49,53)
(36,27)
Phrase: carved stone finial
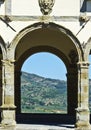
(83,18)
(46,6)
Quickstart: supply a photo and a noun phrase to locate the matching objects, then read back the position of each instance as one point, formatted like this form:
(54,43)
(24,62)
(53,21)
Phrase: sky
(47,65)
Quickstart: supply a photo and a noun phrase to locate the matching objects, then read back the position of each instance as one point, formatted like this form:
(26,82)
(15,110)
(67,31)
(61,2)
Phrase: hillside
(42,95)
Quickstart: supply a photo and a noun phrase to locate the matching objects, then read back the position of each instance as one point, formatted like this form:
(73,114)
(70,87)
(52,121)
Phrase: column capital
(8,62)
(83,64)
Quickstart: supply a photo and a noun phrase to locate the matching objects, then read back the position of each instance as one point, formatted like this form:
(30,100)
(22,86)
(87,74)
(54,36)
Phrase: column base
(82,119)
(80,125)
(7,122)
(8,118)
(8,115)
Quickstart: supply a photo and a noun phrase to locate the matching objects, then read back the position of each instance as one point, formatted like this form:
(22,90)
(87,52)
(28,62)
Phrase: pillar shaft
(8,107)
(82,112)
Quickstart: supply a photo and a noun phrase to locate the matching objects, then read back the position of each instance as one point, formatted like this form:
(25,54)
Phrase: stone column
(8,107)
(82,112)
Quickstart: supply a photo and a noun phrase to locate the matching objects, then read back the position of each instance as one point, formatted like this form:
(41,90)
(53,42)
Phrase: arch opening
(43,84)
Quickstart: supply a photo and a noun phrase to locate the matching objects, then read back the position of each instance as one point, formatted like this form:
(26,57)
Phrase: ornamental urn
(46,6)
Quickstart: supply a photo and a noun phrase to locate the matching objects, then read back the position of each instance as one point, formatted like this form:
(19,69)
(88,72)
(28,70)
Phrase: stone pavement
(38,127)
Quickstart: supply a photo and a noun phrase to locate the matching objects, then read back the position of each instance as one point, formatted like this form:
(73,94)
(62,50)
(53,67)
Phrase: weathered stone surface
(62,35)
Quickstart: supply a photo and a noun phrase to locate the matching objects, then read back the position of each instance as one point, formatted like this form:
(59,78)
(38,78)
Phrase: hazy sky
(47,65)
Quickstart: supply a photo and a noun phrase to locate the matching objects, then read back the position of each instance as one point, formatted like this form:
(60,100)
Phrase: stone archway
(43,118)
(50,38)
(60,41)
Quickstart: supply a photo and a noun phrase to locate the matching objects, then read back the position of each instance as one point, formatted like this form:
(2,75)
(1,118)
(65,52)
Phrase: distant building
(60,27)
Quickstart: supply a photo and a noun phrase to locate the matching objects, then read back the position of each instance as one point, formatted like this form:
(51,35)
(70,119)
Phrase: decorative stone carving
(46,6)
(83,18)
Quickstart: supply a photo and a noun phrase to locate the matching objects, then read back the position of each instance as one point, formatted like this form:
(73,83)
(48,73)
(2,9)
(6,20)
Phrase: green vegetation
(42,95)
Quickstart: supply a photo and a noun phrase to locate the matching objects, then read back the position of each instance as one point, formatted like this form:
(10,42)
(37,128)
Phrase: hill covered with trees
(42,95)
